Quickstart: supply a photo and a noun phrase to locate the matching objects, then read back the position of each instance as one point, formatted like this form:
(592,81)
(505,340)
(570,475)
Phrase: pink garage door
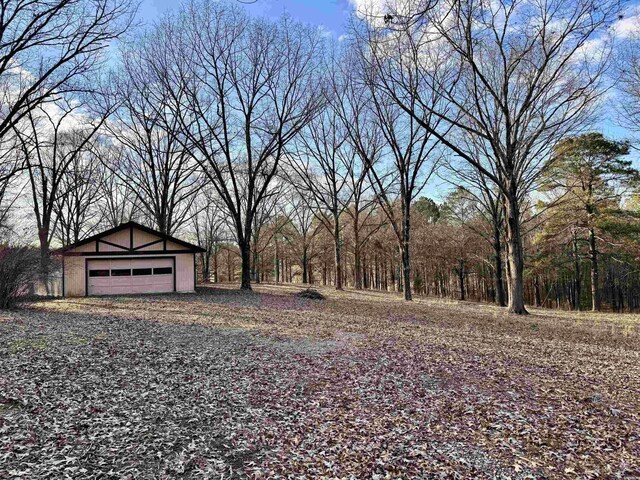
(121,276)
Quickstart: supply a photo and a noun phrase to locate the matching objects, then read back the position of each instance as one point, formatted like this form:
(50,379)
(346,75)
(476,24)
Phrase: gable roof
(123,226)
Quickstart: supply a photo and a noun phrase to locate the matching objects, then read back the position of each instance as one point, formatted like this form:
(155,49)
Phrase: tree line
(292,156)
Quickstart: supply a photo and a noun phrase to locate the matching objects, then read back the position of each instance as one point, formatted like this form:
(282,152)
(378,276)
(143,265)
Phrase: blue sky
(332,14)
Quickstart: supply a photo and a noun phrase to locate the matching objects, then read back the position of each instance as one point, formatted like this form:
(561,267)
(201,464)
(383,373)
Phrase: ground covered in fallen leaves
(224,384)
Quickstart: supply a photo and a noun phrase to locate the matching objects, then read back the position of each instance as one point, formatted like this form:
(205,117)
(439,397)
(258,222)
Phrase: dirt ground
(226,384)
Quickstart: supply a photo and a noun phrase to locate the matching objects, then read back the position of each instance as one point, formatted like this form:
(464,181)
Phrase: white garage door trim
(146,280)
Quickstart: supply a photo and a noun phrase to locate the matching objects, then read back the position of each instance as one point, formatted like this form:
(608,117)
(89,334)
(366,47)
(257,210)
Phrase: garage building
(129,258)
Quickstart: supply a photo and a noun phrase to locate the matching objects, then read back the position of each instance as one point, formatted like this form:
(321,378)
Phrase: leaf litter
(224,384)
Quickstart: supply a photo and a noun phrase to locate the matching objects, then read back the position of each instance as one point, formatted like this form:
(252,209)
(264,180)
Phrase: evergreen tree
(587,177)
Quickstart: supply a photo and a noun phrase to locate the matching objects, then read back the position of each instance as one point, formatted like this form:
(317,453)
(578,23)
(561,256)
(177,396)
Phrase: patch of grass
(73,339)
(9,405)
(26,344)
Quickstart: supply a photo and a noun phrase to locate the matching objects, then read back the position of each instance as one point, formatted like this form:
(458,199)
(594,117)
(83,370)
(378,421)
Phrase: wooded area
(294,157)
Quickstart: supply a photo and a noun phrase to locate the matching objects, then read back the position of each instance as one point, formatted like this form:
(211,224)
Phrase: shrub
(18,269)
(311,293)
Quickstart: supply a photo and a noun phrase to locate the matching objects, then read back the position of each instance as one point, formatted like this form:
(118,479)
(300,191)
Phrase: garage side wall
(184,272)
(74,273)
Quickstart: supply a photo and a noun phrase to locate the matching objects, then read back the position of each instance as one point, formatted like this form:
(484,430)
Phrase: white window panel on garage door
(113,285)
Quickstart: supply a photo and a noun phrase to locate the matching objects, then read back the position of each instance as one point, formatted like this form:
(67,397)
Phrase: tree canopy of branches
(48,50)
(242,88)
(518,76)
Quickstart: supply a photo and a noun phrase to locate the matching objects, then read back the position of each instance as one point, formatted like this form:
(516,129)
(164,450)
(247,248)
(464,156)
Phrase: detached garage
(130,258)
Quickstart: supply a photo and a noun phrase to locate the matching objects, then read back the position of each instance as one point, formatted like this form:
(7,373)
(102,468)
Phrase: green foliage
(591,154)
(460,207)
(587,178)
(428,208)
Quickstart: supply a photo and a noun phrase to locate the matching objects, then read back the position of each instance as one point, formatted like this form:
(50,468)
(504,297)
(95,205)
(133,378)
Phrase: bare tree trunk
(215,264)
(595,274)
(245,254)
(305,266)
(357,263)
(43,235)
(405,249)
(515,256)
(204,258)
(536,288)
(255,266)
(461,279)
(338,253)
(499,279)
(577,280)
(276,263)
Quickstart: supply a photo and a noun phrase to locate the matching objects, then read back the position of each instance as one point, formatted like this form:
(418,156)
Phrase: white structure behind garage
(130,258)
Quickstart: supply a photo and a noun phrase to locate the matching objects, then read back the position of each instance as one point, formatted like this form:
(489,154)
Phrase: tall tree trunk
(577,280)
(536,291)
(255,266)
(204,258)
(461,278)
(338,253)
(43,237)
(276,263)
(595,274)
(215,264)
(499,279)
(305,266)
(357,267)
(515,256)
(406,254)
(245,254)
(357,262)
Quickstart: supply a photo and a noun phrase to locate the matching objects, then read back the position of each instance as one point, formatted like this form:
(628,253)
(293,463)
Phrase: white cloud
(366,8)
(375,10)
(324,31)
(629,25)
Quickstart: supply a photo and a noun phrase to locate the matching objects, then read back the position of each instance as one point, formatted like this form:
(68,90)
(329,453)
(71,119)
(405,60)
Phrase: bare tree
(51,144)
(410,155)
(76,206)
(414,159)
(627,80)
(11,187)
(351,104)
(161,172)
(485,196)
(362,211)
(319,169)
(243,89)
(210,227)
(300,232)
(266,213)
(118,200)
(517,75)
(48,48)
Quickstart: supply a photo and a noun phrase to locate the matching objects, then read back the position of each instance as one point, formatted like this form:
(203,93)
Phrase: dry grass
(364,384)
